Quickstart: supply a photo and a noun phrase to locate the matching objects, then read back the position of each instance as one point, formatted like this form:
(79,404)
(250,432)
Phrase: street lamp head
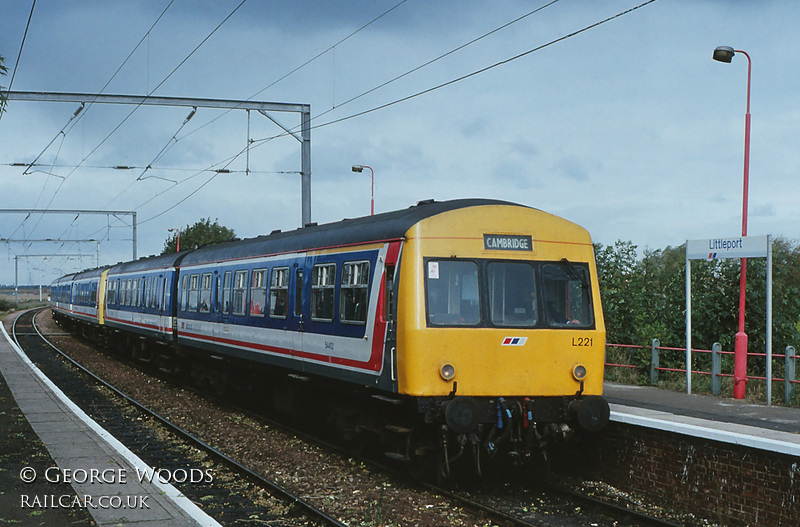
(724,54)
(358,168)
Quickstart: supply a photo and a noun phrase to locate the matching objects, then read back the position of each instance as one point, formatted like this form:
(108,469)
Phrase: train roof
(161,261)
(380,227)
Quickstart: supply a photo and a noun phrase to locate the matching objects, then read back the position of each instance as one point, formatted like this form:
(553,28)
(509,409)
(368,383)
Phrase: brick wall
(723,483)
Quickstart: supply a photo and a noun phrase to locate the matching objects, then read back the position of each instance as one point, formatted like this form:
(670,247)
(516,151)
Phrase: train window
(323,284)
(298,294)
(167,292)
(566,294)
(111,293)
(184,292)
(512,294)
(239,292)
(194,291)
(389,304)
(354,293)
(205,293)
(279,292)
(452,293)
(258,293)
(226,292)
(135,293)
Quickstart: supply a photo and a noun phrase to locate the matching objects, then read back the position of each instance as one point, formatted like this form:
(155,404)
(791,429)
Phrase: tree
(201,233)
(644,298)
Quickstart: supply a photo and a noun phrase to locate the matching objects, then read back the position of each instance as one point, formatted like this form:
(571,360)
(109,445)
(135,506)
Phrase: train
(447,333)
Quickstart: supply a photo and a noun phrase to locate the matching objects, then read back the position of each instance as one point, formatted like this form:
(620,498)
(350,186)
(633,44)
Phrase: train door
(224,286)
(101,297)
(296,320)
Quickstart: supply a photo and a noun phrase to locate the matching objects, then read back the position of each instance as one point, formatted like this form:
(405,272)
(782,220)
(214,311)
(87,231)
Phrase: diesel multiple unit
(449,330)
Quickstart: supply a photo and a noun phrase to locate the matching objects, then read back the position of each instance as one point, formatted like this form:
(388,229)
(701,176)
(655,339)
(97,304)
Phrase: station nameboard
(720,248)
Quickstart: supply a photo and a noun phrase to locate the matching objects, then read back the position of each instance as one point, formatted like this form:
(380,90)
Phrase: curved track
(500,505)
(111,408)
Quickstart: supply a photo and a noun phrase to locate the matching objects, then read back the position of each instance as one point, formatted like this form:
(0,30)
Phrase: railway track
(233,494)
(562,506)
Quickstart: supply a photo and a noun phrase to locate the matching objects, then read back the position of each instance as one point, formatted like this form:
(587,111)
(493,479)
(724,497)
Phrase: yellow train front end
(500,332)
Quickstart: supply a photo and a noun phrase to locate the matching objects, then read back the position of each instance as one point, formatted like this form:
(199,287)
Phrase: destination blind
(507,242)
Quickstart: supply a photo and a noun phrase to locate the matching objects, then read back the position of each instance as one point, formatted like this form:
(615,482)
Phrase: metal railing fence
(716,374)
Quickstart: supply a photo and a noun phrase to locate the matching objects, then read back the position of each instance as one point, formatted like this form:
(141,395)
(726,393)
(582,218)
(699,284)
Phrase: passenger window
(452,293)
(111,295)
(156,291)
(226,292)
(512,294)
(239,292)
(167,293)
(205,293)
(184,292)
(323,285)
(279,292)
(354,293)
(258,293)
(194,291)
(566,294)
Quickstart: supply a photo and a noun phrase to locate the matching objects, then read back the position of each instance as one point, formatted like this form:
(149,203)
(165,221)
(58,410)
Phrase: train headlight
(447,371)
(579,372)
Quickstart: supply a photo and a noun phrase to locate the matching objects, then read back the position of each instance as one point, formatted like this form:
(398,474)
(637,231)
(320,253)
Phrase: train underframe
(434,436)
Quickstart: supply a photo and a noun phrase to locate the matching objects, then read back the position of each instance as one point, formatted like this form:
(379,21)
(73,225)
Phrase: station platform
(770,428)
(101,471)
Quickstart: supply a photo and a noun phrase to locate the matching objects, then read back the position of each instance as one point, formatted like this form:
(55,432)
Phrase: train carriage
(138,298)
(76,296)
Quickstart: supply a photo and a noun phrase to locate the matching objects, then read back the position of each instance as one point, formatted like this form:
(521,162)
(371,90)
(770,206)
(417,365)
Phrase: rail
(716,373)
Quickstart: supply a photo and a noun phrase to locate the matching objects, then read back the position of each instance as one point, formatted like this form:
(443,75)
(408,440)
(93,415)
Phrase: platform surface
(77,443)
(773,428)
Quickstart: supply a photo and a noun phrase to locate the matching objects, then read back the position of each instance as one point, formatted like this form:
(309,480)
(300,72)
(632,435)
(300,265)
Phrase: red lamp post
(360,168)
(178,244)
(725,54)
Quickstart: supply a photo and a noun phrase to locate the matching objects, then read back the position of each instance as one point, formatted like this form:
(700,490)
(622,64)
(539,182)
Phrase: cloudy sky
(627,127)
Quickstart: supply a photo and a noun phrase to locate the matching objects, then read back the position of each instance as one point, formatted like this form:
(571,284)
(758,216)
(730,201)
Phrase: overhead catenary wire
(458,79)
(414,95)
(78,113)
(125,119)
(158,156)
(19,58)
(248,171)
(181,63)
(250,142)
(303,65)
(66,130)
(140,104)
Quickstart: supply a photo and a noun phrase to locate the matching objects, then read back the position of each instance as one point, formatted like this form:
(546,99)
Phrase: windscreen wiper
(573,273)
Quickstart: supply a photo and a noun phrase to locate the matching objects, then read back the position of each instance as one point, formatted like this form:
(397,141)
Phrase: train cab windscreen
(452,291)
(516,294)
(566,294)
